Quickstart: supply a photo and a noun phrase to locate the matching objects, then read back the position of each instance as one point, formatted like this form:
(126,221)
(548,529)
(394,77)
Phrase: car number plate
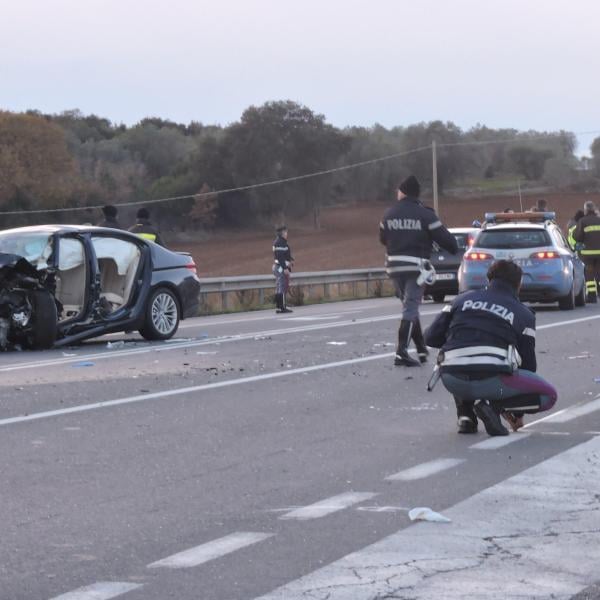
(441,276)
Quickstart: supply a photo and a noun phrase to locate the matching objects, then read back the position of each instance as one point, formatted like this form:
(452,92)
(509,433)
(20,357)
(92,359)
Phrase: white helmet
(427,274)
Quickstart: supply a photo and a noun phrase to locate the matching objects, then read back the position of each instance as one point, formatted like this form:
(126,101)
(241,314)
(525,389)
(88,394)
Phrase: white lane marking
(315,318)
(211,321)
(575,412)
(211,550)
(103,590)
(188,390)
(328,506)
(499,442)
(235,338)
(194,344)
(425,469)
(383,509)
(543,521)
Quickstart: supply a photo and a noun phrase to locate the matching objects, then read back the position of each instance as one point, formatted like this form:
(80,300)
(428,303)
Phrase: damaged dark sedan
(61,284)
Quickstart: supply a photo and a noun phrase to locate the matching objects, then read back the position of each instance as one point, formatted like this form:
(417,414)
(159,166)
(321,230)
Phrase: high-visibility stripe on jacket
(588,233)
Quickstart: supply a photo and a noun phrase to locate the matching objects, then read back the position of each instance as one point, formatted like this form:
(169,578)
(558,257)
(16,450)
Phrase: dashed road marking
(328,506)
(102,590)
(211,550)
(426,469)
(575,412)
(499,441)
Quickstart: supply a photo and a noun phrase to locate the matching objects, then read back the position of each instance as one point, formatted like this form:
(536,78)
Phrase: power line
(522,139)
(242,188)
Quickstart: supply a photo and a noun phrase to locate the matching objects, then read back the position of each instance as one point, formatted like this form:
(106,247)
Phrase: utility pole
(435,180)
(520,197)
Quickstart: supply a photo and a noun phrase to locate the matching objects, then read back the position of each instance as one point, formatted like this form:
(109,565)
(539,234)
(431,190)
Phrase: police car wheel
(162,315)
(437,297)
(567,302)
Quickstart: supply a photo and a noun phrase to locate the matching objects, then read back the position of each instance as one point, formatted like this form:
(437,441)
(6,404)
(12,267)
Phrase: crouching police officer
(407,230)
(282,267)
(487,359)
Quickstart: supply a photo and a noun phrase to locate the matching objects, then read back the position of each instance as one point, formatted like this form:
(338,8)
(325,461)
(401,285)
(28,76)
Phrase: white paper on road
(423,513)
(534,535)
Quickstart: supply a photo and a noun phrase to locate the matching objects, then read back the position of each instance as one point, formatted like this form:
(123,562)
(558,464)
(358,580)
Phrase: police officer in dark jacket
(110,217)
(587,232)
(487,359)
(408,230)
(282,268)
(145,229)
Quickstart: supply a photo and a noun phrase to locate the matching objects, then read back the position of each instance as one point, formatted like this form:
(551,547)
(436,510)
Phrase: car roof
(517,225)
(52,229)
(462,229)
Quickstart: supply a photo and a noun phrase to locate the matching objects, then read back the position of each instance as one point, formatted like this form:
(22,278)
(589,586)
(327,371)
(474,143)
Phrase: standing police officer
(282,268)
(145,229)
(588,233)
(408,230)
(487,359)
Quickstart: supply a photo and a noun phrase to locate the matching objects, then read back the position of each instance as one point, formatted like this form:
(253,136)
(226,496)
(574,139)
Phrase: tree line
(71,160)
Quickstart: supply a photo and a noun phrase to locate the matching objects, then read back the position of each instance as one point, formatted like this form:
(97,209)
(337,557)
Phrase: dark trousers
(521,391)
(592,272)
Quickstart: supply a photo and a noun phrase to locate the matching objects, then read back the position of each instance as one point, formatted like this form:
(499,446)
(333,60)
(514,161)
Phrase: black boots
(467,420)
(417,337)
(490,416)
(280,303)
(404,336)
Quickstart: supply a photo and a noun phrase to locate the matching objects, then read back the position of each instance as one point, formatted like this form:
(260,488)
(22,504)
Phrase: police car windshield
(506,239)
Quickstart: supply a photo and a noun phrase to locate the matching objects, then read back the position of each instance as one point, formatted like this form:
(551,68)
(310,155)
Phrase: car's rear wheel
(438,297)
(568,302)
(44,321)
(162,315)
(580,298)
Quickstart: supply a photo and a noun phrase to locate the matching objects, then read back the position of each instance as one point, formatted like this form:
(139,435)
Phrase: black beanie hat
(109,210)
(410,186)
(143,213)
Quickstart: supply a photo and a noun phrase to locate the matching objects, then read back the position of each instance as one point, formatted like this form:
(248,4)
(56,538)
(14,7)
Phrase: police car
(552,272)
(446,265)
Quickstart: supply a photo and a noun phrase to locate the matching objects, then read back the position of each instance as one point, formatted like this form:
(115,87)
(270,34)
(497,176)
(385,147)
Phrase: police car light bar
(532,217)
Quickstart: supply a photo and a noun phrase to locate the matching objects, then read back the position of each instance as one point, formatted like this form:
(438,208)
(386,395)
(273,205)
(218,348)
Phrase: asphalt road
(277,456)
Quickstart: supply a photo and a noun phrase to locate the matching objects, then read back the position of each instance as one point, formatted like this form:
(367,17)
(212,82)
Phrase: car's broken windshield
(35,247)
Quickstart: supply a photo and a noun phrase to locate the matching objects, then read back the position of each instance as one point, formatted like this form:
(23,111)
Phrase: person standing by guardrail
(282,268)
(408,230)
(588,233)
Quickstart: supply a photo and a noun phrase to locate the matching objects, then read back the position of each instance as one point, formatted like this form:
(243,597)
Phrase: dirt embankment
(348,236)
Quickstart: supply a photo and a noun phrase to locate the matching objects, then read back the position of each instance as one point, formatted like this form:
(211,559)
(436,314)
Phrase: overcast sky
(504,63)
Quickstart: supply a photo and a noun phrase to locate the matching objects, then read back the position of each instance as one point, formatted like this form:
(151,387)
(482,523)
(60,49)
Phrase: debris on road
(85,363)
(117,344)
(68,355)
(337,343)
(423,513)
(583,355)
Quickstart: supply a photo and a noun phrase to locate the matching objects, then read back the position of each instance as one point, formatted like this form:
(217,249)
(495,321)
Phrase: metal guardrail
(258,282)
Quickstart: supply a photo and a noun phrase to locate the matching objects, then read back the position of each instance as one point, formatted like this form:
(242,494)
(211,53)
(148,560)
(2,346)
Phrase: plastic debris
(596,379)
(422,513)
(68,355)
(337,343)
(85,363)
(113,345)
(583,355)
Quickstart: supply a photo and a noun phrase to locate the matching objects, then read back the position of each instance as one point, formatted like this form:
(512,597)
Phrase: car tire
(162,315)
(45,321)
(568,302)
(580,298)
(438,297)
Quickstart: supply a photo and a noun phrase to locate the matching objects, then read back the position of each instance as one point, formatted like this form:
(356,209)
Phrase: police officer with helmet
(408,230)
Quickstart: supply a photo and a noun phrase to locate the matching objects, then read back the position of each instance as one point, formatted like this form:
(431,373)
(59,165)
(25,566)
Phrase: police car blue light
(551,271)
